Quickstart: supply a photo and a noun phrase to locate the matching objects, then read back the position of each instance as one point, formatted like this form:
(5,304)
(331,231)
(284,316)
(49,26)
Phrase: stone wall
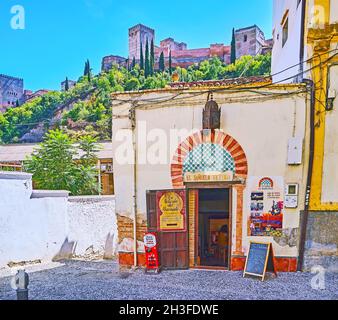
(321,247)
(139,35)
(11,91)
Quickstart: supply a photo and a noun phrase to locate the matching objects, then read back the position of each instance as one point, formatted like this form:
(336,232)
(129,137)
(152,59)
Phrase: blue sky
(61,34)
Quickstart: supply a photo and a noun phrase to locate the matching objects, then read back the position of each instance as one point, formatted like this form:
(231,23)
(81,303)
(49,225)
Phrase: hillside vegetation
(86,108)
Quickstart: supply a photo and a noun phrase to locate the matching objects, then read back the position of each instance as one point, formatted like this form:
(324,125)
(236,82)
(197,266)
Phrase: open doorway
(213,227)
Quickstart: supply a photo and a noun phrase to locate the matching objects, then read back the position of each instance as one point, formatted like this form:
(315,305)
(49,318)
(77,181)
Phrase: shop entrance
(213,237)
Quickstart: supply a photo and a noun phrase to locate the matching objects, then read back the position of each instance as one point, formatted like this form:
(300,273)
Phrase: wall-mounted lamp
(331,96)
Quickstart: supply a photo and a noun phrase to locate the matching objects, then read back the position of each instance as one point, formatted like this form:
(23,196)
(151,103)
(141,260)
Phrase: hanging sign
(259,260)
(150,246)
(171,211)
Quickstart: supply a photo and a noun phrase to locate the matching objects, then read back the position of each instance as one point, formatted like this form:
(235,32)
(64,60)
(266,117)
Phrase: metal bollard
(21,283)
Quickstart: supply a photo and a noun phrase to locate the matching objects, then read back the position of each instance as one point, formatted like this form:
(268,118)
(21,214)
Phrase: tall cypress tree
(89,74)
(233,47)
(85,72)
(141,58)
(67,84)
(152,57)
(147,61)
(170,64)
(133,64)
(161,64)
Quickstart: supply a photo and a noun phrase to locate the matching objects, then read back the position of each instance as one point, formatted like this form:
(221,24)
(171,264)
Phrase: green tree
(133,64)
(170,64)
(86,68)
(152,57)
(54,167)
(141,58)
(233,47)
(147,61)
(161,63)
(67,84)
(87,71)
(132,84)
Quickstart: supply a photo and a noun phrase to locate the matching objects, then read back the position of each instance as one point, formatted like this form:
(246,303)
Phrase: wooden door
(173,245)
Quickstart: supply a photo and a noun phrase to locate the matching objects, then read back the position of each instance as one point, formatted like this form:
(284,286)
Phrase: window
(285,32)
(245,38)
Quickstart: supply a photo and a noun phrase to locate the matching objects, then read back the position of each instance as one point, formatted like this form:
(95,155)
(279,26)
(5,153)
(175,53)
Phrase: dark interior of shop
(213,226)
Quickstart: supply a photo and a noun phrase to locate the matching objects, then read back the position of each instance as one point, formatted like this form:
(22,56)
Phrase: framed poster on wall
(171,211)
(266,205)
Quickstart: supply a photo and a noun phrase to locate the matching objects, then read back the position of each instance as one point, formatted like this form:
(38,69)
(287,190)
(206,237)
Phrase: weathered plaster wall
(92,225)
(37,225)
(322,241)
(262,128)
(30,229)
(330,173)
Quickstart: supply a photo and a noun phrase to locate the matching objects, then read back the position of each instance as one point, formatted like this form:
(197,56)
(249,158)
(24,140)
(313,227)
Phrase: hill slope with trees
(86,108)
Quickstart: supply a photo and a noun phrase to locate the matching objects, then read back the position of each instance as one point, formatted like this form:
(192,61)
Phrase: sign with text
(209,176)
(266,204)
(150,246)
(171,211)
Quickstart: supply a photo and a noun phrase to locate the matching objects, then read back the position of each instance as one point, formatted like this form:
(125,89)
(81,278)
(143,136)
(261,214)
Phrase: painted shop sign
(209,177)
(171,211)
(150,240)
(266,205)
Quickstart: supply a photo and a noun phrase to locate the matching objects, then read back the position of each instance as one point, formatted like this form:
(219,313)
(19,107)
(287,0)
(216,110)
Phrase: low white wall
(92,224)
(30,228)
(46,225)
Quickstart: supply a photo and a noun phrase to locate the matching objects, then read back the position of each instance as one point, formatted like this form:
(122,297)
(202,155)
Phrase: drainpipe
(304,222)
(132,117)
(99,185)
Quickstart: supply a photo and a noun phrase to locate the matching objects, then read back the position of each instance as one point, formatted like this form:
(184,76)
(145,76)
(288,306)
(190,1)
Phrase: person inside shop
(223,242)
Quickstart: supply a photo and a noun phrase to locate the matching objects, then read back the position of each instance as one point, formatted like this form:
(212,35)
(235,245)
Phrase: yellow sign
(209,177)
(172,214)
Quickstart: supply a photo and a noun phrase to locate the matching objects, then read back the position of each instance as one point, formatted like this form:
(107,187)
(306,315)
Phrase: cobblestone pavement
(101,280)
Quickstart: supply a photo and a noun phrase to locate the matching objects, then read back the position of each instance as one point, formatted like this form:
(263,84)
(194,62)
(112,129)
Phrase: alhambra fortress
(249,41)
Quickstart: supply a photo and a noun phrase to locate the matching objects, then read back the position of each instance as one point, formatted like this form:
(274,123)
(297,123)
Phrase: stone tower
(11,92)
(249,41)
(138,35)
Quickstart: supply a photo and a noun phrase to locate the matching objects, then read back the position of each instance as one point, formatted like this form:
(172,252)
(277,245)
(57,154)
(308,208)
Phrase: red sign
(150,246)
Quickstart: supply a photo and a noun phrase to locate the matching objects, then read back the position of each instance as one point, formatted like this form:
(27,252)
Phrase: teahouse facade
(210,167)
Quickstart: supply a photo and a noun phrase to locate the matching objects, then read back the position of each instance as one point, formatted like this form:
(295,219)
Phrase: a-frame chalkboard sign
(259,260)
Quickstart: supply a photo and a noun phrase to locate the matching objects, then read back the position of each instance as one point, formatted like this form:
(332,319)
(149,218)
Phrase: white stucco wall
(30,229)
(92,224)
(289,55)
(333,11)
(262,128)
(330,173)
(48,225)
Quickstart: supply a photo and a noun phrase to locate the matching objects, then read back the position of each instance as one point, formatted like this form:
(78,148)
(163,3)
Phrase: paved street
(101,280)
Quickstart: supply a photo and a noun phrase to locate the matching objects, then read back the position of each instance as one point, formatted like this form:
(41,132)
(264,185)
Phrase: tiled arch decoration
(216,137)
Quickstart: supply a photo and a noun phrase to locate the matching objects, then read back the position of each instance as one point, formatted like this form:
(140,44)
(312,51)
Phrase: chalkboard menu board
(260,257)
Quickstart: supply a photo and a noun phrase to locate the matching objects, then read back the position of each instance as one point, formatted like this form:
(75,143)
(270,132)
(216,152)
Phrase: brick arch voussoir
(218,137)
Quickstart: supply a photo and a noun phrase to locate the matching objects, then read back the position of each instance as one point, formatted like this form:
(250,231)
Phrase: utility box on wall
(295,151)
